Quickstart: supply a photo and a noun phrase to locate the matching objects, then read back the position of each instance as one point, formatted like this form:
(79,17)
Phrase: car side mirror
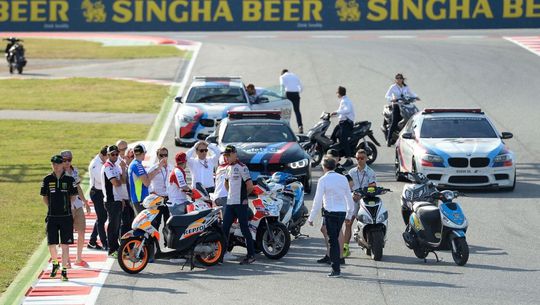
(211,139)
(261,100)
(408,136)
(507,135)
(178,99)
(302,138)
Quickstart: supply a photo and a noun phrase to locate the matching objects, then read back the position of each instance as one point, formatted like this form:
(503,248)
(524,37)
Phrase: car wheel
(511,188)
(399,175)
(307,186)
(177,142)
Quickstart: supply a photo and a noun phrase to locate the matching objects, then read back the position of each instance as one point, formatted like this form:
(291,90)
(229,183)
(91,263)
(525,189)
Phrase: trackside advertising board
(260,15)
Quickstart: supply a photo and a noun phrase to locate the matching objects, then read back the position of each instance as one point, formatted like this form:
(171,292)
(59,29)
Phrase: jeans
(239,211)
(99,226)
(396,117)
(294,97)
(346,127)
(127,217)
(334,222)
(114,211)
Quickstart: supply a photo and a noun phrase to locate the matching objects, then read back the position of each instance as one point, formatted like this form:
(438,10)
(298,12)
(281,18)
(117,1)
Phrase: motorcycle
(319,143)
(269,235)
(407,108)
(372,223)
(422,189)
(438,227)
(195,235)
(294,213)
(16,59)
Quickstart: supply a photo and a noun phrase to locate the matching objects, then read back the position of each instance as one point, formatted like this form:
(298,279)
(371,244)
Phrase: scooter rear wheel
(127,255)
(215,257)
(420,253)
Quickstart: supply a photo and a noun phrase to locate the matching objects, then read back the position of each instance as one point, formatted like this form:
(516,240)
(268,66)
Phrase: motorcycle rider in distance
(11,42)
(396,91)
(345,114)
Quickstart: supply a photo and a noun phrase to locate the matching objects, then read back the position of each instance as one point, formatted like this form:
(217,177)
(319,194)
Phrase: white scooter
(372,224)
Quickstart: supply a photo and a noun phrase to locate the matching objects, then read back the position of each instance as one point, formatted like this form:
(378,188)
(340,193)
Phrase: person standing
(57,192)
(201,166)
(96,195)
(79,220)
(396,91)
(346,115)
(139,180)
(128,213)
(334,196)
(362,176)
(220,192)
(177,186)
(238,184)
(291,85)
(158,185)
(112,176)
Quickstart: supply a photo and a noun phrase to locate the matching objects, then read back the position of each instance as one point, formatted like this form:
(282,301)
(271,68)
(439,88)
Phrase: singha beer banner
(241,15)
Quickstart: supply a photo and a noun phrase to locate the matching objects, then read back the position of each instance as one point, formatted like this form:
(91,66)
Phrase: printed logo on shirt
(52,187)
(64,186)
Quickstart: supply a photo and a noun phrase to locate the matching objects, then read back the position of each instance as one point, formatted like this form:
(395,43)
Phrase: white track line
(519,43)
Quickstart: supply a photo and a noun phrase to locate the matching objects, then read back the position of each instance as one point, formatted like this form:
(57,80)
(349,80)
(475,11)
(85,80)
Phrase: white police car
(456,148)
(210,98)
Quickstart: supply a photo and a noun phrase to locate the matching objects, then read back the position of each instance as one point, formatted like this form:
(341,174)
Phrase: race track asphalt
(481,72)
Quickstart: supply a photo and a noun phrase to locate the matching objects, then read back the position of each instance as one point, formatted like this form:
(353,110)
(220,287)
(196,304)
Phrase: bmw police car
(210,98)
(265,144)
(456,148)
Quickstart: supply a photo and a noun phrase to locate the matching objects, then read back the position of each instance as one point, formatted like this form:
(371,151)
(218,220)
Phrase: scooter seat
(429,215)
(419,204)
(361,123)
(187,219)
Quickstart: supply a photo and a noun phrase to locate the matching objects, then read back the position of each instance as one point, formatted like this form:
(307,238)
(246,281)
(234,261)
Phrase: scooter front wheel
(275,240)
(377,242)
(128,259)
(460,251)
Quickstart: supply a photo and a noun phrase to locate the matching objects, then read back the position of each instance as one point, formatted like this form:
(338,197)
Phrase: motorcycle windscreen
(430,218)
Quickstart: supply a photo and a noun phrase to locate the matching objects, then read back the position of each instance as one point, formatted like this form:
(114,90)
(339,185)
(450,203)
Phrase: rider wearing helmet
(11,42)
(396,91)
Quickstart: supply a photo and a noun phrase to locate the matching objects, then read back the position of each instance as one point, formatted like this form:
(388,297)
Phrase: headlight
(364,219)
(448,195)
(503,158)
(186,118)
(432,160)
(383,217)
(299,164)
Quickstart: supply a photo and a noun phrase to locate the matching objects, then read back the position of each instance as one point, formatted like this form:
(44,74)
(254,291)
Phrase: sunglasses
(203,150)
(361,158)
(397,78)
(66,160)
(122,149)
(163,155)
(114,154)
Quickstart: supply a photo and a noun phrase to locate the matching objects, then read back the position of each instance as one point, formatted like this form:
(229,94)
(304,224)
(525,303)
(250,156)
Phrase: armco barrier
(260,15)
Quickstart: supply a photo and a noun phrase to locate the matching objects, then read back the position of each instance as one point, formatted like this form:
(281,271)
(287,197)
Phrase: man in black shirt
(57,191)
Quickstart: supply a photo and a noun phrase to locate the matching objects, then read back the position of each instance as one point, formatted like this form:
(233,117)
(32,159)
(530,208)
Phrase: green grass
(82,94)
(25,151)
(77,49)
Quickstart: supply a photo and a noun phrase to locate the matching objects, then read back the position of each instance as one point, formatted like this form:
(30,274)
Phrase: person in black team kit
(58,190)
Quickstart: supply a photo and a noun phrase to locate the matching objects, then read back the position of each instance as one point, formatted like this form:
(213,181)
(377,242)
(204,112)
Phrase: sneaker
(64,275)
(324,260)
(113,255)
(348,163)
(342,261)
(82,264)
(346,250)
(94,246)
(300,129)
(334,274)
(229,256)
(55,267)
(248,260)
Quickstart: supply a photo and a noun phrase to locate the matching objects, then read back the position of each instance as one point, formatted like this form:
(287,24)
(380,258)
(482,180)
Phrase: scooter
(438,227)
(195,235)
(269,235)
(372,223)
(319,143)
(407,108)
(294,213)
(16,59)
(421,189)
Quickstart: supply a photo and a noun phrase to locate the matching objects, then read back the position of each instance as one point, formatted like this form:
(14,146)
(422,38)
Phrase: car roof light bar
(217,78)
(263,114)
(446,110)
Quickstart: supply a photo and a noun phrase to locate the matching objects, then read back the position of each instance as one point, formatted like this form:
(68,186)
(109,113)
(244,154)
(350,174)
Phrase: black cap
(333,153)
(139,149)
(57,159)
(112,148)
(103,150)
(229,149)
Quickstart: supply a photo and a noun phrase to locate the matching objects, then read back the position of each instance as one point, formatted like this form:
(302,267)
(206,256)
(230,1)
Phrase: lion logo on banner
(348,10)
(94,12)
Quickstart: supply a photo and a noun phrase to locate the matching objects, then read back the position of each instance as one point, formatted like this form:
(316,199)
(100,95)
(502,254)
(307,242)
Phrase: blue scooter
(438,226)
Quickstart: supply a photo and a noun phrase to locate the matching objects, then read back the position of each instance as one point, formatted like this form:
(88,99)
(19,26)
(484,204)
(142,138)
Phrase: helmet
(280,177)
(152,201)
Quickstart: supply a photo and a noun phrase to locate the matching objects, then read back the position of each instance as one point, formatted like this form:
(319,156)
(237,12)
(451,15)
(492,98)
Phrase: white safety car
(456,148)
(208,100)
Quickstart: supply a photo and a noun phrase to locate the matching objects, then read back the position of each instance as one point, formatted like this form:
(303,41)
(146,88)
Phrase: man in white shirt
(201,166)
(396,91)
(158,185)
(346,116)
(96,195)
(290,85)
(334,196)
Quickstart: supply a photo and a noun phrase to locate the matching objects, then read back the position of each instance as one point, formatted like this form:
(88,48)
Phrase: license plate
(469,171)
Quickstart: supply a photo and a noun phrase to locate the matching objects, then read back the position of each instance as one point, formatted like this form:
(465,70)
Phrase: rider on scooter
(397,90)
(345,113)
(11,42)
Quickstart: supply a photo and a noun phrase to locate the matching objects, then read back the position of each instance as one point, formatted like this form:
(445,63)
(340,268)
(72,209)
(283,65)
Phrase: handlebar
(371,191)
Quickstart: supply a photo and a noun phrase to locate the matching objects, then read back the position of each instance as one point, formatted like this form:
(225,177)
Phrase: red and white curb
(530,43)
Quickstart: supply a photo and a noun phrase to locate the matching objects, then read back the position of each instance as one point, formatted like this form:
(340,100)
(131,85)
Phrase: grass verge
(82,94)
(37,48)
(26,147)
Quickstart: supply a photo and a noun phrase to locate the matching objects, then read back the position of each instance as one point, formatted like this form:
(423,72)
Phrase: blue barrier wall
(260,15)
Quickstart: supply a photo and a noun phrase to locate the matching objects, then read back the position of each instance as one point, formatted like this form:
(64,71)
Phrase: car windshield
(249,133)
(216,94)
(459,127)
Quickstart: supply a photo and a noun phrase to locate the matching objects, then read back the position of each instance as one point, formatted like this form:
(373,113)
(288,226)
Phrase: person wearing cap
(201,166)
(139,179)
(128,214)
(96,195)
(177,186)
(159,183)
(112,176)
(333,195)
(57,191)
(238,185)
(346,117)
(79,220)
